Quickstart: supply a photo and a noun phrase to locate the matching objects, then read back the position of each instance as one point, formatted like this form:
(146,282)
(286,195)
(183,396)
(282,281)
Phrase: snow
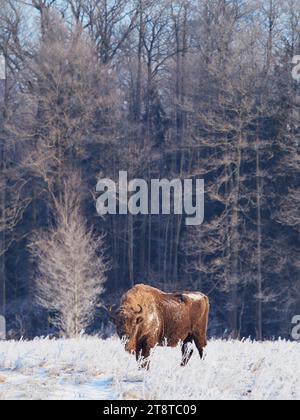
(92,368)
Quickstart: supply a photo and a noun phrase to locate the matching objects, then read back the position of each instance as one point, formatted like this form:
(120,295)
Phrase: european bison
(148,317)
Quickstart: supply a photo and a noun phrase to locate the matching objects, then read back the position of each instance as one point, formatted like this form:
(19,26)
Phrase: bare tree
(13,199)
(71,266)
(70,99)
(109,24)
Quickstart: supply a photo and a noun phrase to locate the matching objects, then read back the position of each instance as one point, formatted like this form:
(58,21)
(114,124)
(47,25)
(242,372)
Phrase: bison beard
(148,317)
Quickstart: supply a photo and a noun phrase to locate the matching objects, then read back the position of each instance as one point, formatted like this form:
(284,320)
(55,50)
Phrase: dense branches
(170,89)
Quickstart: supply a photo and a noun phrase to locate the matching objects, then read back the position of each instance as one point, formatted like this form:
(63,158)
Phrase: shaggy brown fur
(148,317)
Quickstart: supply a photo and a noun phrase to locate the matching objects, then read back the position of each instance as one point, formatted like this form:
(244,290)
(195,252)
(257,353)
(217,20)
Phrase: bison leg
(200,336)
(186,351)
(143,354)
(200,344)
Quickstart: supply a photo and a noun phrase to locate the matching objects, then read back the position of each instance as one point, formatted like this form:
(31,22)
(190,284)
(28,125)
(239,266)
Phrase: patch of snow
(195,296)
(92,368)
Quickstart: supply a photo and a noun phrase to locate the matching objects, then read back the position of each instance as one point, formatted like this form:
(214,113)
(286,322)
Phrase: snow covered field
(91,368)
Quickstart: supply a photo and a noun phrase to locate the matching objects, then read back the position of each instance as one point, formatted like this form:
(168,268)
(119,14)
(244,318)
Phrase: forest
(169,89)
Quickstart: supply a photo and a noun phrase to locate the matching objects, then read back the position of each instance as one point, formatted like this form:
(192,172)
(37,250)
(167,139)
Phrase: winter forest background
(162,89)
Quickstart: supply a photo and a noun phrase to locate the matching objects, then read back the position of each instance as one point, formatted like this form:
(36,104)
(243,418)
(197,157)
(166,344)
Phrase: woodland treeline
(161,89)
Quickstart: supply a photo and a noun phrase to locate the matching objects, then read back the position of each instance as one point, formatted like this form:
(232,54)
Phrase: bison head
(127,321)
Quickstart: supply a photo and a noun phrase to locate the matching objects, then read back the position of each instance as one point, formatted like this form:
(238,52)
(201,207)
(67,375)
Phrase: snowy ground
(91,368)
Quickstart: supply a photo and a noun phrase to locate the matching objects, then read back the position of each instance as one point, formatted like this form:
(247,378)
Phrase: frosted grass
(92,368)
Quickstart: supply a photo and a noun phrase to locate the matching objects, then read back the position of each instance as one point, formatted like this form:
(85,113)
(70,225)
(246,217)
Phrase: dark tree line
(168,89)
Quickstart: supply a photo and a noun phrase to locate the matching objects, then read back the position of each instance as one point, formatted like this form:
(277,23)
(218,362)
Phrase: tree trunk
(130,250)
(234,281)
(259,327)
(3,116)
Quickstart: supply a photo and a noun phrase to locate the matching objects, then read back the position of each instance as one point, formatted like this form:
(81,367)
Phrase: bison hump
(181,297)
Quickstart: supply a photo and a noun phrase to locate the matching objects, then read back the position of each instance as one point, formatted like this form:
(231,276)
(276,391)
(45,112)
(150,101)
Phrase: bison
(148,317)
